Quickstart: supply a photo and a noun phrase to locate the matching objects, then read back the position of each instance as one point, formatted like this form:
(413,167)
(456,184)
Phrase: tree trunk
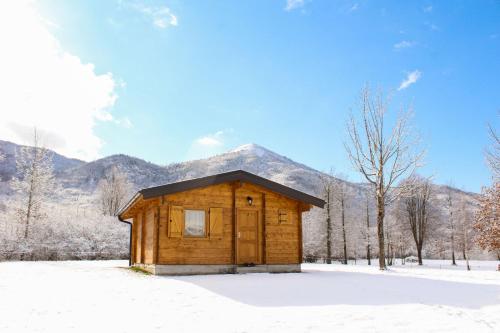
(380,231)
(453,262)
(419,255)
(368,254)
(28,210)
(343,232)
(328,232)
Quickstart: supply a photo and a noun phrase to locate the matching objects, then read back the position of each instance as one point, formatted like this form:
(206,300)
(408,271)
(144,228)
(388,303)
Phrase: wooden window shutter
(216,223)
(176,221)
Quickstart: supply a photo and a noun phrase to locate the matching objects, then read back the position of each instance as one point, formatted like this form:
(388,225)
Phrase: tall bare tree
(34,182)
(380,153)
(451,222)
(417,206)
(466,232)
(493,153)
(113,190)
(340,194)
(327,189)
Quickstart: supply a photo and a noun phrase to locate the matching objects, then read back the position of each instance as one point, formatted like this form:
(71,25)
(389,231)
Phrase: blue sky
(189,79)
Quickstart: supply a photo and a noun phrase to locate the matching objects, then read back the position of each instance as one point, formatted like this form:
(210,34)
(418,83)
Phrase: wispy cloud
(294,4)
(124,122)
(411,78)
(160,16)
(404,44)
(210,144)
(211,140)
(354,7)
(427,9)
(432,26)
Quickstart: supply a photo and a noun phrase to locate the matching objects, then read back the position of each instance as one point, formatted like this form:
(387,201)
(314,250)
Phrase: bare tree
(113,190)
(327,188)
(34,182)
(381,157)
(417,205)
(449,208)
(466,234)
(493,153)
(340,194)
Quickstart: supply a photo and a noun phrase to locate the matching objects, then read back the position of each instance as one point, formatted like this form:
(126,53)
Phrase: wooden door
(248,237)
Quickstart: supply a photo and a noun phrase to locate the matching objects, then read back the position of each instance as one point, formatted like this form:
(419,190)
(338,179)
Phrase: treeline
(399,213)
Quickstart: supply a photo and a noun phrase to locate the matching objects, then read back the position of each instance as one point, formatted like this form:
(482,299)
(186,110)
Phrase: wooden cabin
(226,223)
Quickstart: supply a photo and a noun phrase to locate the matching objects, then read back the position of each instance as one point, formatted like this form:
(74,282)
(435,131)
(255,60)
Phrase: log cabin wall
(159,239)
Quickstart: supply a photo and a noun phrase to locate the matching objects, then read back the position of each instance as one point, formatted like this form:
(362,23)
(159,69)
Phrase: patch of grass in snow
(139,270)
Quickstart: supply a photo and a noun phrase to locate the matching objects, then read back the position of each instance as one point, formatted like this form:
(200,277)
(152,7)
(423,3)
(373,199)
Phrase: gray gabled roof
(238,175)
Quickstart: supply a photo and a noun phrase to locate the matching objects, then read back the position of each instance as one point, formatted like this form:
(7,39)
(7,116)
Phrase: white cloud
(428,9)
(404,44)
(432,26)
(354,7)
(42,85)
(161,16)
(211,140)
(209,145)
(123,122)
(410,79)
(294,4)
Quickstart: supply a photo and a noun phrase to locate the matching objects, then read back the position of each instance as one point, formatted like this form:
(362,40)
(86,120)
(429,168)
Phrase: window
(194,223)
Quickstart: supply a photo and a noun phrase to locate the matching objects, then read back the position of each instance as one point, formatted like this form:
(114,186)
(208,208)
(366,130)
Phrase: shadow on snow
(315,288)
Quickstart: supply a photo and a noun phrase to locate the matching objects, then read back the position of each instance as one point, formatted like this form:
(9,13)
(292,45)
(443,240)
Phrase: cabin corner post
(156,235)
(132,240)
(233,224)
(143,246)
(299,211)
(264,252)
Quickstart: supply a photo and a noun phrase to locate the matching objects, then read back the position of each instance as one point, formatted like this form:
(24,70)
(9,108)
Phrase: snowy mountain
(83,176)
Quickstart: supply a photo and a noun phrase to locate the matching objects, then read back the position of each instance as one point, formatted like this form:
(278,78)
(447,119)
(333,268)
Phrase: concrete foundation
(218,269)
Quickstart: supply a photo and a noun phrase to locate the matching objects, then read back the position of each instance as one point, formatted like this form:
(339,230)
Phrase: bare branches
(113,190)
(381,159)
(493,153)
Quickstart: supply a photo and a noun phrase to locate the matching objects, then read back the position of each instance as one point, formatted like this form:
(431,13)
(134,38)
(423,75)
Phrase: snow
(104,296)
(251,148)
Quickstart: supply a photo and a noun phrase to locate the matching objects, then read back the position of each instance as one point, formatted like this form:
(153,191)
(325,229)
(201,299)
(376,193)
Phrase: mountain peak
(251,148)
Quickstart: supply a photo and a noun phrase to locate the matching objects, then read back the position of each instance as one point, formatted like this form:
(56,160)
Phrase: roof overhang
(232,176)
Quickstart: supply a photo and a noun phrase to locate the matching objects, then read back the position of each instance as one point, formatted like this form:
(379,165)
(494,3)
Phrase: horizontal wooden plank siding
(281,236)
(183,250)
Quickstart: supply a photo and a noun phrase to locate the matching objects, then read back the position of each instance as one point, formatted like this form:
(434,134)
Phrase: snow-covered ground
(103,296)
